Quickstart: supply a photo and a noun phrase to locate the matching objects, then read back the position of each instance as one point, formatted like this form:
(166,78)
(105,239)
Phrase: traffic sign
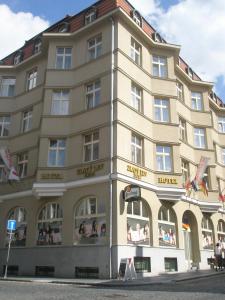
(11,225)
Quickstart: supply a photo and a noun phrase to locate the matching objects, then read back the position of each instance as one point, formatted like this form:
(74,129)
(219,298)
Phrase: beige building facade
(94,106)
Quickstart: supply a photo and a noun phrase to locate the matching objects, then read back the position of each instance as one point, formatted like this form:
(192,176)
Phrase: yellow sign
(51,176)
(90,170)
(137,173)
(167,180)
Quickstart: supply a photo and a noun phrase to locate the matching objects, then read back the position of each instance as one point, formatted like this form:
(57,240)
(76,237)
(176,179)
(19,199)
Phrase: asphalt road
(212,288)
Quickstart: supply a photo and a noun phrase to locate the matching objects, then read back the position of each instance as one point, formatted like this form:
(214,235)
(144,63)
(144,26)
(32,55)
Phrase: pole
(8,252)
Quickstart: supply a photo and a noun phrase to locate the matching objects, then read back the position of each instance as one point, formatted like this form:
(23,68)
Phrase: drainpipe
(111,148)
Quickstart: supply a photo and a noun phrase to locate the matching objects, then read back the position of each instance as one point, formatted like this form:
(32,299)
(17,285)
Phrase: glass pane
(61,158)
(95,151)
(136,208)
(67,62)
(138,231)
(52,158)
(87,153)
(59,62)
(167,235)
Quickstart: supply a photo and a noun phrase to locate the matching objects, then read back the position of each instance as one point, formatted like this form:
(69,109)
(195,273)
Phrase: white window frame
(159,66)
(93,142)
(37,47)
(185,170)
(64,55)
(90,17)
(180,91)
(5,122)
(95,46)
(17,59)
(32,79)
(60,102)
(27,120)
(136,148)
(221,124)
(183,130)
(92,90)
(196,101)
(136,97)
(199,138)
(162,106)
(22,163)
(137,18)
(163,155)
(7,86)
(57,150)
(135,51)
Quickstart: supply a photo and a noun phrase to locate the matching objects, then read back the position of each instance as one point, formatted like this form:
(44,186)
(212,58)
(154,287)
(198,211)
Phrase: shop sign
(167,180)
(132,193)
(51,176)
(90,170)
(137,173)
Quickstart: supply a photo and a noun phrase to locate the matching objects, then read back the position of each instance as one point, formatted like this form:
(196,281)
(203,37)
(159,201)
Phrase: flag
(203,186)
(221,197)
(9,168)
(201,168)
(188,187)
(194,185)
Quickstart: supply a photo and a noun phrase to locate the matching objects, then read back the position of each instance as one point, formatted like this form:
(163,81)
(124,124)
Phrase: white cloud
(196,25)
(16,28)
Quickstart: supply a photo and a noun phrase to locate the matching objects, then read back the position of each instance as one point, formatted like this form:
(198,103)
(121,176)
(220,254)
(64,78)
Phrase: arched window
(138,231)
(221,232)
(90,222)
(19,238)
(137,17)
(50,225)
(207,233)
(64,27)
(18,57)
(167,227)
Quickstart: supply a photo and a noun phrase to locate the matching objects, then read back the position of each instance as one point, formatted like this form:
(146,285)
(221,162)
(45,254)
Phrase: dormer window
(18,57)
(64,27)
(189,72)
(137,18)
(90,16)
(37,46)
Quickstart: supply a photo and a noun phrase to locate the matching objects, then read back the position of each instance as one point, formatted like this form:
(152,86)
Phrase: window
(207,233)
(4,125)
(50,225)
(63,58)
(199,138)
(18,214)
(136,94)
(22,163)
(18,57)
(138,231)
(183,130)
(136,149)
(95,47)
(223,155)
(159,66)
(90,222)
(93,94)
(163,158)
(180,91)
(27,120)
(7,86)
(221,232)
(137,18)
(90,17)
(32,79)
(161,108)
(167,227)
(185,170)
(142,264)
(2,171)
(196,101)
(60,102)
(56,153)
(221,124)
(91,146)
(135,53)
(37,46)
(64,27)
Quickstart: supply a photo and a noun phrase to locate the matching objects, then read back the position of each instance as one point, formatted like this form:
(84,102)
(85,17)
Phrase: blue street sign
(11,225)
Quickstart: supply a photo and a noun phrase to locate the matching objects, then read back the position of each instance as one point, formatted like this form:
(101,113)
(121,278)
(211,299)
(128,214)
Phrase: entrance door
(188,248)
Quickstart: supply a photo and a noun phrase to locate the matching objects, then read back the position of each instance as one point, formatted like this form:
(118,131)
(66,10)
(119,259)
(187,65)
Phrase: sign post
(11,227)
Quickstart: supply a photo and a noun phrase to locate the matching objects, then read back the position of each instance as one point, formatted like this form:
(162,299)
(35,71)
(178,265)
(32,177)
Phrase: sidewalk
(160,279)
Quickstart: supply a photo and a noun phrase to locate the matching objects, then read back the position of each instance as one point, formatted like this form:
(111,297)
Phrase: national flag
(9,168)
(187,184)
(13,175)
(203,186)
(221,197)
(194,185)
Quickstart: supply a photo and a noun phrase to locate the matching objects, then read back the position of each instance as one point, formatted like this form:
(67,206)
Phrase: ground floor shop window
(138,231)
(167,227)
(221,233)
(86,272)
(170,264)
(207,233)
(19,237)
(50,225)
(142,264)
(90,222)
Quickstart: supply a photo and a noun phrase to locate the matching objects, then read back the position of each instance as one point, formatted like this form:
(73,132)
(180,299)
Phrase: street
(204,288)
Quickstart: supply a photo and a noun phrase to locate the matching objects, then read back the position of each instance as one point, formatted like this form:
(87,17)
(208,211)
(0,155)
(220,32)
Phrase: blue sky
(179,21)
